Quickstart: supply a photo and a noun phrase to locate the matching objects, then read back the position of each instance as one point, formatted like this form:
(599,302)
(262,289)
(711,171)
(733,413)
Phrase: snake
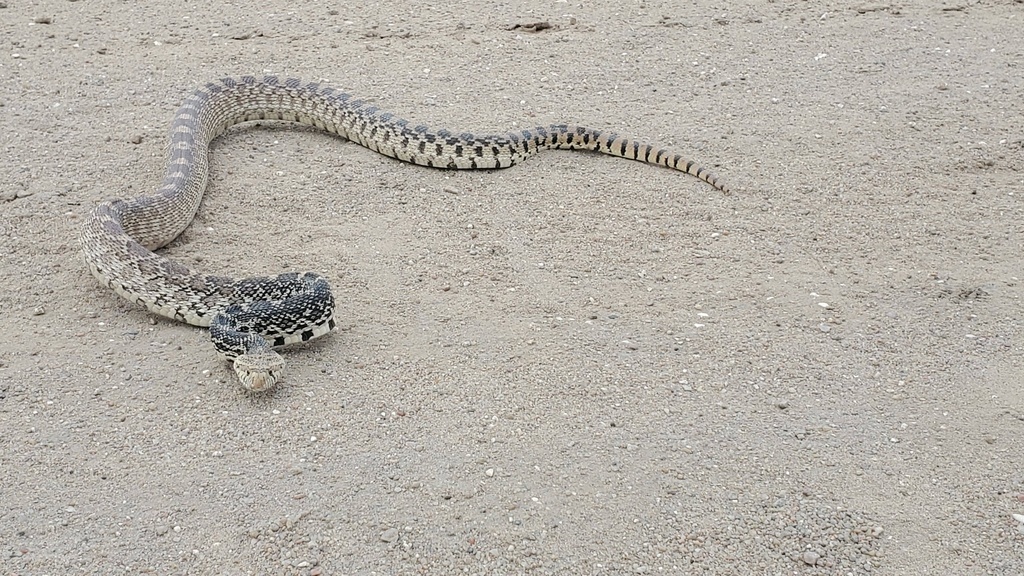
(249,318)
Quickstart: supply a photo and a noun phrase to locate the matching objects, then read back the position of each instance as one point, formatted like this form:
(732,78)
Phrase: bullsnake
(248,318)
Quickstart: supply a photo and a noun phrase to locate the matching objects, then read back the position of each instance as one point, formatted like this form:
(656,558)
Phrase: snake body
(248,318)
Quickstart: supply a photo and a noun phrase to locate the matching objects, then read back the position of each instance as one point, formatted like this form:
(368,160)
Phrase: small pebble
(809,558)
(389,535)
(43,20)
(136,139)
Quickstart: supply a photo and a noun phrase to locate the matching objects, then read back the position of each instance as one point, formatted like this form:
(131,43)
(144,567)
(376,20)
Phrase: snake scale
(250,317)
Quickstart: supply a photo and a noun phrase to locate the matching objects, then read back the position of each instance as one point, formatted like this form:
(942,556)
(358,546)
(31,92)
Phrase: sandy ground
(581,365)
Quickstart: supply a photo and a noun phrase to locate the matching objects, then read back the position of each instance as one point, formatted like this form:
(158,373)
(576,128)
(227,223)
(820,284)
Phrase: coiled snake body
(248,318)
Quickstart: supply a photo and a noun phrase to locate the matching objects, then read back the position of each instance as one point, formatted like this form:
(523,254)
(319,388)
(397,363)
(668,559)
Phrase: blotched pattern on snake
(248,318)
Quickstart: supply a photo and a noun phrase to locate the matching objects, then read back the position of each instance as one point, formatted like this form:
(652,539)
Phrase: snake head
(259,372)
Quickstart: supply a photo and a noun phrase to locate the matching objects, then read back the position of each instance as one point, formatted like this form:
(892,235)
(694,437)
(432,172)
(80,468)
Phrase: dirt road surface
(580,365)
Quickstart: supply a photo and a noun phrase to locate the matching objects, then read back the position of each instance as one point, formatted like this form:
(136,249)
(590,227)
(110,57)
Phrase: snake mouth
(259,372)
(258,382)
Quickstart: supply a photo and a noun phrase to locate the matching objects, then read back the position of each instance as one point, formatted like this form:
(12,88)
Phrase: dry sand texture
(581,365)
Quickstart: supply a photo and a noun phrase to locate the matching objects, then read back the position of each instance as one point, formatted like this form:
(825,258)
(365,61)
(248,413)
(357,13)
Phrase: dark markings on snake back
(112,228)
(175,269)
